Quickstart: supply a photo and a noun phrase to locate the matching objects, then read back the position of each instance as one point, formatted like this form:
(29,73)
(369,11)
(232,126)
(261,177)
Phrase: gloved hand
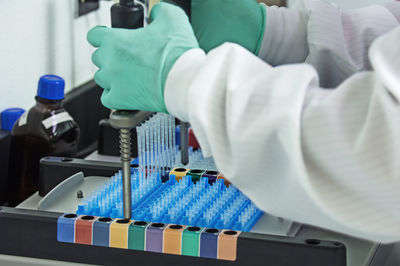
(239,21)
(134,64)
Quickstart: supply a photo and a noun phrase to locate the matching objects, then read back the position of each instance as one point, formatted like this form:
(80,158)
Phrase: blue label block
(209,243)
(66,228)
(101,232)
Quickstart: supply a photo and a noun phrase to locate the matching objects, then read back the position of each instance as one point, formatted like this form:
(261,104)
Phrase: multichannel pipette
(126,14)
(130,15)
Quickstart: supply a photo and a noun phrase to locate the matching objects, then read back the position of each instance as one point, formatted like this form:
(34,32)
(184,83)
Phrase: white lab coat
(329,158)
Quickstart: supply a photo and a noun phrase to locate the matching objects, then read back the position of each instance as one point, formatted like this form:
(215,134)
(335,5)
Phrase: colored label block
(154,237)
(211,175)
(191,241)
(119,233)
(173,239)
(178,173)
(226,181)
(193,140)
(66,228)
(137,235)
(195,174)
(209,243)
(83,229)
(145,236)
(101,232)
(227,245)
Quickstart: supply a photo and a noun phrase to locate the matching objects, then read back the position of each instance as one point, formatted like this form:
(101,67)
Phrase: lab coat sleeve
(329,158)
(334,41)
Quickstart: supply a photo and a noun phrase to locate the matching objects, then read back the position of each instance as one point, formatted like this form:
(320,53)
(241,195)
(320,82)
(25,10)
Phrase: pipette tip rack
(178,200)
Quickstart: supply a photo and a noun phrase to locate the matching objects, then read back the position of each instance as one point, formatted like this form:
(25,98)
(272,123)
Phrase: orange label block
(119,233)
(227,245)
(226,181)
(173,239)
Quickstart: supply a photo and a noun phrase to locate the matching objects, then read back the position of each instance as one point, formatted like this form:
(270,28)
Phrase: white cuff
(179,80)
(285,36)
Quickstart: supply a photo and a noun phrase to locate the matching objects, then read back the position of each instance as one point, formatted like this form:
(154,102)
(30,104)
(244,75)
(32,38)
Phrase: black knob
(127,15)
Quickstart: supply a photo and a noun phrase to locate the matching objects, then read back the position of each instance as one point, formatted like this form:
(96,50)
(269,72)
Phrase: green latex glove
(239,21)
(134,64)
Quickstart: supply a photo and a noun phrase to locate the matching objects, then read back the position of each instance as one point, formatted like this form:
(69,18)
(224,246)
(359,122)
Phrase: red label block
(193,140)
(83,229)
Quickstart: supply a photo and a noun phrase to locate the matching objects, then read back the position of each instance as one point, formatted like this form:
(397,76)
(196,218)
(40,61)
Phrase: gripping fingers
(97,35)
(105,100)
(164,11)
(102,80)
(97,58)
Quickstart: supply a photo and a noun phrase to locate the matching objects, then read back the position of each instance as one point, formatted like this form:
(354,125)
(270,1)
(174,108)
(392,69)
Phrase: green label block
(137,232)
(191,241)
(195,174)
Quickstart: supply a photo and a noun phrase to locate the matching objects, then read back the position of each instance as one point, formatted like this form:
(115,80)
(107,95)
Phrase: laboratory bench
(29,236)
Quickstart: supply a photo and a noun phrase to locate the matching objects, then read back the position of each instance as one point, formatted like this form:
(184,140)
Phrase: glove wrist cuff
(263,10)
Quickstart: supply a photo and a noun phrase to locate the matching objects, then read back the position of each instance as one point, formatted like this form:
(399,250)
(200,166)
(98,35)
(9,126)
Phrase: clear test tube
(162,137)
(158,144)
(155,130)
(143,152)
(159,140)
(151,151)
(154,149)
(143,173)
(147,149)
(171,149)
(139,141)
(166,128)
(169,164)
(173,139)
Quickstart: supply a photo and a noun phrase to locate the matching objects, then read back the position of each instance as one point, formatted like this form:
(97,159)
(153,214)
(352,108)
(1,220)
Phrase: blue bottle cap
(9,117)
(51,87)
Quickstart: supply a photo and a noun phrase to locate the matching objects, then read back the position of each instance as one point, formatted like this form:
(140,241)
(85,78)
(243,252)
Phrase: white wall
(345,4)
(40,37)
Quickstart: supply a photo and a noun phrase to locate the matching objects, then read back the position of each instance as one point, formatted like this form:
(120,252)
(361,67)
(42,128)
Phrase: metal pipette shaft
(125,144)
(185,143)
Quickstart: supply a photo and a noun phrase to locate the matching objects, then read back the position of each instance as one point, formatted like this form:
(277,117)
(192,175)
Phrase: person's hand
(238,21)
(134,64)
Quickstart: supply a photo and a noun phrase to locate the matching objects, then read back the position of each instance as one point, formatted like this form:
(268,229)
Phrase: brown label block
(83,229)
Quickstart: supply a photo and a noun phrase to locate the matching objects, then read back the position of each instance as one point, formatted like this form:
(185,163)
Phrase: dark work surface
(276,250)
(5,140)
(34,234)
